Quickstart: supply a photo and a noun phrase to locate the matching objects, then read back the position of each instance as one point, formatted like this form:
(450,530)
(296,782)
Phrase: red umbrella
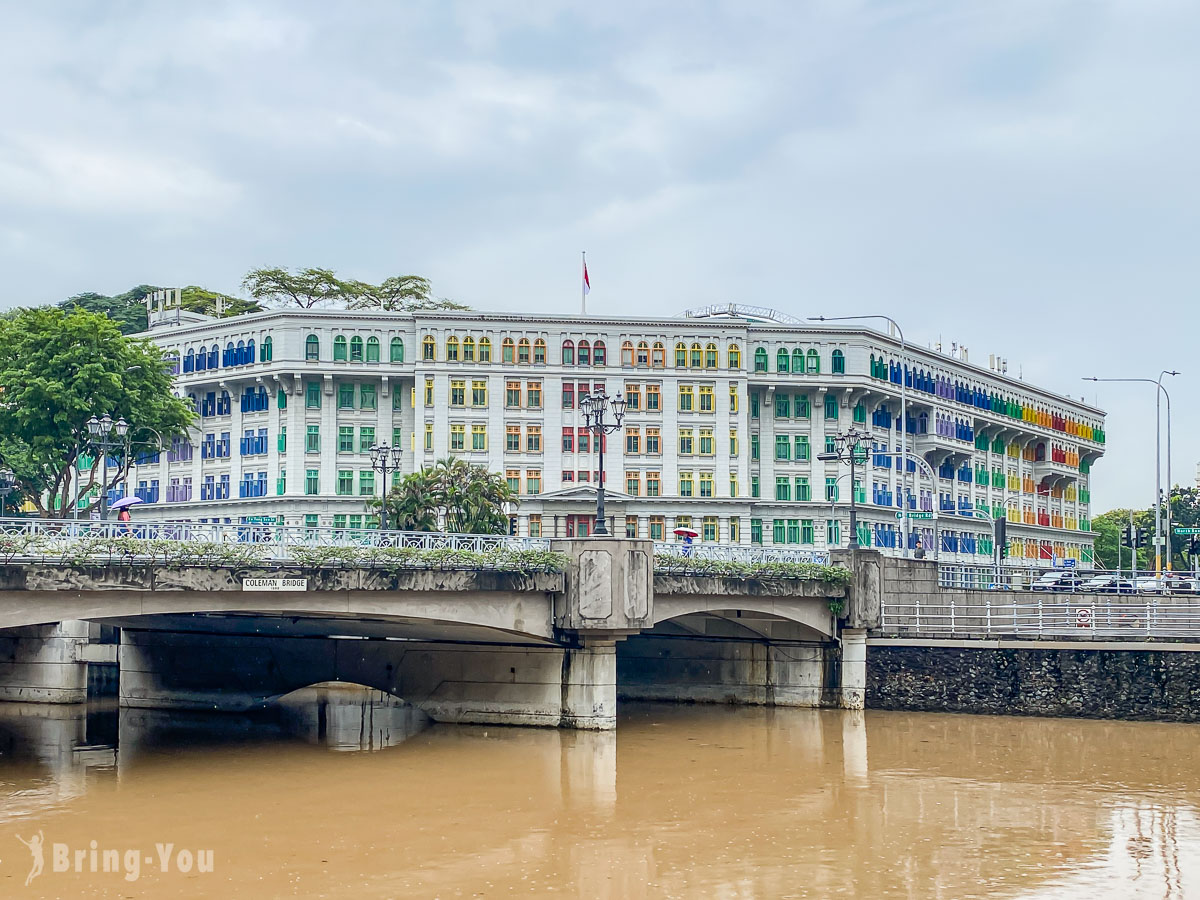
(687,532)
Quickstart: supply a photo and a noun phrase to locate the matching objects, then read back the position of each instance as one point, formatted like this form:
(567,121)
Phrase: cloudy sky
(1019,176)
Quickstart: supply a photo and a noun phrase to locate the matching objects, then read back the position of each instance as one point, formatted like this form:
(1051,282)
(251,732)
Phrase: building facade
(726,415)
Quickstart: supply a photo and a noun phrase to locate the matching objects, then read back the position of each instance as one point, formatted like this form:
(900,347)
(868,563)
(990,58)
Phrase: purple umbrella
(124,502)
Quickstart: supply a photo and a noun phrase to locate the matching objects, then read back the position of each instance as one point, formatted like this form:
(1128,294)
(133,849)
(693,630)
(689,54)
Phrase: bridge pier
(854,668)
(42,663)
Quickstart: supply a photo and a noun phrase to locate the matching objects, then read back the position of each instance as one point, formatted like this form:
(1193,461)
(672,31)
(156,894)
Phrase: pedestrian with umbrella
(123,515)
(688,535)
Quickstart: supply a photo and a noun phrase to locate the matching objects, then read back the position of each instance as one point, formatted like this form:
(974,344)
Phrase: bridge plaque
(274,584)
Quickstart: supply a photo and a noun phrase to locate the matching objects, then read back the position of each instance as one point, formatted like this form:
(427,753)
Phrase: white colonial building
(727,412)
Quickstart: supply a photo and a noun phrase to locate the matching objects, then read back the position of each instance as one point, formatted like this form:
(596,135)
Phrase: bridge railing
(1026,578)
(739,553)
(47,537)
(1086,616)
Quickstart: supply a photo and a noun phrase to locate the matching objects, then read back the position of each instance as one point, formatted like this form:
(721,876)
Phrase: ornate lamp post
(594,407)
(849,449)
(101,432)
(8,481)
(384,459)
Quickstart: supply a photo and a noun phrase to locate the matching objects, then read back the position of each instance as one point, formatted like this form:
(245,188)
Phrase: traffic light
(1127,536)
(1143,537)
(1194,546)
(512,525)
(1002,536)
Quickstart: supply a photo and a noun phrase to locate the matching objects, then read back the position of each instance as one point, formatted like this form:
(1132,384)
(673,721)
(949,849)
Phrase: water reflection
(681,801)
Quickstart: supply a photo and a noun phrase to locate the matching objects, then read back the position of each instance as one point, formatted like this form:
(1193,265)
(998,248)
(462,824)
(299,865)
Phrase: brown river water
(346,794)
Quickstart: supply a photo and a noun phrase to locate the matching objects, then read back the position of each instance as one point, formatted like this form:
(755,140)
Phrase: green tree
(308,288)
(128,310)
(1108,527)
(451,495)
(201,300)
(59,368)
(1185,513)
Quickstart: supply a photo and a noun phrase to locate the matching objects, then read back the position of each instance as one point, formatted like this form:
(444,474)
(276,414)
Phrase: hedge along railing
(678,564)
(279,537)
(741,553)
(130,551)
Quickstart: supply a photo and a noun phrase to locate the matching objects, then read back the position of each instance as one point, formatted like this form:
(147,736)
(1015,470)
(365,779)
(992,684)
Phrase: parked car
(1109,584)
(1181,583)
(1151,585)
(1058,581)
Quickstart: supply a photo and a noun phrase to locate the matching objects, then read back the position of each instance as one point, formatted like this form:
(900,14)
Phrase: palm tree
(451,494)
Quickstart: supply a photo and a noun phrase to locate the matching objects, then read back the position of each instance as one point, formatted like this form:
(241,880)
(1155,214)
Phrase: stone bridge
(464,645)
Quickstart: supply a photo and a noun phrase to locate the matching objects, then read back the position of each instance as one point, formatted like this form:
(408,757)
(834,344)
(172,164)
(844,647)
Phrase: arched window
(585,353)
(228,358)
(485,350)
(798,360)
(735,356)
(250,351)
(452,349)
(599,357)
(658,356)
(760,359)
(397,351)
(508,351)
(189,359)
(681,356)
(838,362)
(781,360)
(539,352)
(339,349)
(468,349)
(643,353)
(312,348)
(212,356)
(239,355)
(356,349)
(201,360)
(627,353)
(710,356)
(428,348)
(814,362)
(568,352)
(523,350)
(697,358)
(268,349)
(372,349)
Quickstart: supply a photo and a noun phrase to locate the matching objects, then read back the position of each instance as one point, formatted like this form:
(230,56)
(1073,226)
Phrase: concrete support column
(854,668)
(39,664)
(589,685)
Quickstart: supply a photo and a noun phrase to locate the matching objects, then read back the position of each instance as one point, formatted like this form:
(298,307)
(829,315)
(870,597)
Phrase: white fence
(1087,616)
(49,534)
(739,553)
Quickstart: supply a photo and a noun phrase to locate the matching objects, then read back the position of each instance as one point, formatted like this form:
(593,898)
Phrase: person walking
(125,518)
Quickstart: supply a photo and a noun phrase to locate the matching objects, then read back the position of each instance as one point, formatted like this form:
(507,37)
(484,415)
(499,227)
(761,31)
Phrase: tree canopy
(59,368)
(310,288)
(1185,512)
(450,495)
(127,310)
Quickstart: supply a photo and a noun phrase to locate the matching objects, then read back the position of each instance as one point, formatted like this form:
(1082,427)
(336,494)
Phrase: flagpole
(583,286)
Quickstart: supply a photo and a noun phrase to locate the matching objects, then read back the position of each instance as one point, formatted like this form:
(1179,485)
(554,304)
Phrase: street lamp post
(848,451)
(384,459)
(906,526)
(8,481)
(101,431)
(1158,523)
(594,407)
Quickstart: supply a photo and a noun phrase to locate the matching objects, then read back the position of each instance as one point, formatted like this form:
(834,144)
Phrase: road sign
(1083,617)
(915,515)
(1187,530)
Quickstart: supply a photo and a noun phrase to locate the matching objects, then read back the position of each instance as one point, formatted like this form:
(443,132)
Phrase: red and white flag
(587,285)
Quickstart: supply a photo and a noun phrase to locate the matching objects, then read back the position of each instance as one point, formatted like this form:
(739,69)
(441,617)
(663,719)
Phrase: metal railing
(1086,616)
(1066,581)
(48,536)
(740,553)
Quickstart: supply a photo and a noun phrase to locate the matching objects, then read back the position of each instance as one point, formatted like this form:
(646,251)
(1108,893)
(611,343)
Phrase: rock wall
(1105,684)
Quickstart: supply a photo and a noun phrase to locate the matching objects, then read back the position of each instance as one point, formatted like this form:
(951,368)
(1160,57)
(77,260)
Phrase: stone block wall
(1107,684)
